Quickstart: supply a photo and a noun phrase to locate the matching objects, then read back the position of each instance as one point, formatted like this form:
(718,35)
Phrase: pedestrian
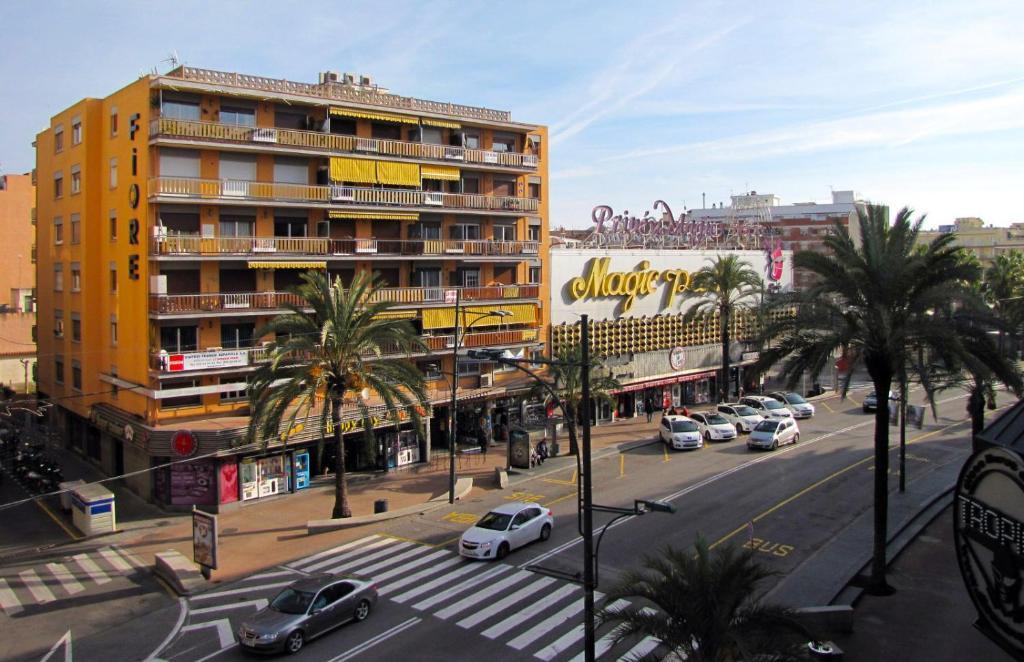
(542,451)
(686,412)
(649,408)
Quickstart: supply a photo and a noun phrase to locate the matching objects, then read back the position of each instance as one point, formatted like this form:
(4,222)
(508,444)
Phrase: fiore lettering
(597,281)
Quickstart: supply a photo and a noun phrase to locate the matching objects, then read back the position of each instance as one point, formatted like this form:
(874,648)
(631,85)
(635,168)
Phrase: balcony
(330,143)
(217,358)
(194,244)
(234,190)
(172,304)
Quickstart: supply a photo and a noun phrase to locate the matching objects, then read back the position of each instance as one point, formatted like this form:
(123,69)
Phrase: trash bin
(65,496)
(380,506)
(93,509)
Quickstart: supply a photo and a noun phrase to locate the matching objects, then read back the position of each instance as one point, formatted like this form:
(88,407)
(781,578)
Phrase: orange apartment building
(17,282)
(175,214)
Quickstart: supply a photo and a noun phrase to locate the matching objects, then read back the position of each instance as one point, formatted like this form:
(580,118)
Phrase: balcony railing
(170,304)
(217,358)
(334,143)
(230,189)
(194,244)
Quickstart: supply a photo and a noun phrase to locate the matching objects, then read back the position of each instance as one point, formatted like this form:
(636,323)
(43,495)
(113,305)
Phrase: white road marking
(90,568)
(182,612)
(66,641)
(354,565)
(255,604)
(548,624)
(461,587)
(506,602)
(443,579)
(236,591)
(330,552)
(66,579)
(132,558)
(484,593)
(270,575)
(223,627)
(646,645)
(529,611)
(399,583)
(605,643)
(419,549)
(347,555)
(383,636)
(36,587)
(114,559)
(8,600)
(571,637)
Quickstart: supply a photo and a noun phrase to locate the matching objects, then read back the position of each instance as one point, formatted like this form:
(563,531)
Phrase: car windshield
(795,399)
(743,410)
(290,601)
(872,395)
(684,426)
(767,426)
(715,419)
(494,521)
(773,404)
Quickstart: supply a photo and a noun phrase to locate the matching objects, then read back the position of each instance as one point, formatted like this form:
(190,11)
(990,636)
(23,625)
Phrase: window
(432,135)
(470,185)
(58,323)
(179,163)
(58,138)
(535,275)
(236,336)
(58,277)
(180,110)
(467,277)
(534,188)
(236,226)
(236,395)
(240,167)
(76,277)
(113,330)
(58,230)
(76,327)
(289,227)
(179,338)
(76,228)
(469,367)
(113,172)
(113,225)
(114,388)
(113,277)
(504,233)
(534,233)
(238,116)
(427,278)
(291,170)
(181,400)
(464,232)
(58,369)
(58,184)
(503,142)
(431,371)
(471,141)
(76,375)
(76,179)
(76,131)
(113,121)
(503,187)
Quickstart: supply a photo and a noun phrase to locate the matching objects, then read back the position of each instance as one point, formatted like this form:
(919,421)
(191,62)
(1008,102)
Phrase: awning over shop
(444,124)
(398,174)
(667,381)
(395,315)
(444,318)
(375,215)
(358,171)
(447,173)
(282,264)
(372,115)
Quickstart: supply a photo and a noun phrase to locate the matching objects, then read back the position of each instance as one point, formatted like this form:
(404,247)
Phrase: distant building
(985,241)
(17,282)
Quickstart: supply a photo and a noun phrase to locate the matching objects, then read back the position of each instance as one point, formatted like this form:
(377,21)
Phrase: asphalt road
(436,606)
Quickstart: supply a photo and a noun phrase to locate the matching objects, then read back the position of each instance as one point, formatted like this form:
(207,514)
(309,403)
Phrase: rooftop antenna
(172,59)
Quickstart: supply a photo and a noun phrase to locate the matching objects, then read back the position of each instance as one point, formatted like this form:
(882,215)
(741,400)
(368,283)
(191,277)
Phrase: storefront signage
(750,356)
(184,443)
(677,358)
(988,531)
(597,281)
(661,229)
(205,360)
(628,388)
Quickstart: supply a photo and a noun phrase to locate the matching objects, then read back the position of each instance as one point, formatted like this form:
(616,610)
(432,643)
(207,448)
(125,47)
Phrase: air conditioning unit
(366,80)
(329,77)
(348,79)
(486,380)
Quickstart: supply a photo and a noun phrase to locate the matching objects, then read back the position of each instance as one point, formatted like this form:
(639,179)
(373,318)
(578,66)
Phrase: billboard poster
(204,539)
(212,360)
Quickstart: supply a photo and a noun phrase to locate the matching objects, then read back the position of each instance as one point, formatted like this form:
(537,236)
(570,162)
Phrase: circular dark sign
(133,196)
(184,443)
(988,530)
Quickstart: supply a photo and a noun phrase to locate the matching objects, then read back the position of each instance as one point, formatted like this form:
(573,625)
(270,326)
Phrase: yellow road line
(60,523)
(665,450)
(560,499)
(825,405)
(622,465)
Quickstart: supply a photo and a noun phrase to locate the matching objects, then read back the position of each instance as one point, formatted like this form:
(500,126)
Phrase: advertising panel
(204,539)
(211,360)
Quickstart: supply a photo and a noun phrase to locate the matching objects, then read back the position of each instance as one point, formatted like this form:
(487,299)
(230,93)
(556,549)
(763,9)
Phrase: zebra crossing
(538,616)
(58,580)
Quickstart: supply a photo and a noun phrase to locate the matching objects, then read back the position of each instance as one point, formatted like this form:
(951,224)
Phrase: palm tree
(330,353)
(725,286)
(566,378)
(879,300)
(704,607)
(1003,287)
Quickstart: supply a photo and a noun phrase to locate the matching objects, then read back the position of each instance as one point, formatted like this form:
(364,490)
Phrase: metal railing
(330,142)
(188,187)
(195,244)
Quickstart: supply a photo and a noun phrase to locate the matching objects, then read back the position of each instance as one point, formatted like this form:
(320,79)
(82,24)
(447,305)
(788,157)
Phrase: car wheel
(796,438)
(502,551)
(775,444)
(293,644)
(362,611)
(545,532)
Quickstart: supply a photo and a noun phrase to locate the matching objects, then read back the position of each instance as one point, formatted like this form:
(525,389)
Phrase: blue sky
(908,103)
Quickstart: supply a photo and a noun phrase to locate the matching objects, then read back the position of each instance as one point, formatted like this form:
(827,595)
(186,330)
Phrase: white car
(713,426)
(743,417)
(680,432)
(772,433)
(767,407)
(505,528)
(796,404)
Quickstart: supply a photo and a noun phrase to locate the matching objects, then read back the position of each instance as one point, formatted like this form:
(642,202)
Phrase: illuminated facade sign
(661,229)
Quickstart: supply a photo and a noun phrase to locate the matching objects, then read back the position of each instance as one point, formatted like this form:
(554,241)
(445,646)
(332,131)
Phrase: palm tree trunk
(976,410)
(723,391)
(877,584)
(570,424)
(341,508)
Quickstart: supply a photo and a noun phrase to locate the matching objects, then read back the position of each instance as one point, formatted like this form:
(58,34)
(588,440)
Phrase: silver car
(308,608)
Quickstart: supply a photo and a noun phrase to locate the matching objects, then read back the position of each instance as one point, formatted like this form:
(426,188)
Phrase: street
(785,504)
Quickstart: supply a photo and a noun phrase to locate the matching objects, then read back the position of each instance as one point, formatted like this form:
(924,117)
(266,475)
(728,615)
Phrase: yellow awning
(396,315)
(359,171)
(450,173)
(398,174)
(286,265)
(444,318)
(371,115)
(381,215)
(444,124)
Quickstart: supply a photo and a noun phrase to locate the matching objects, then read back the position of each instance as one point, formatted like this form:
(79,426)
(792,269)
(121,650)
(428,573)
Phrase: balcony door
(236,336)
(174,339)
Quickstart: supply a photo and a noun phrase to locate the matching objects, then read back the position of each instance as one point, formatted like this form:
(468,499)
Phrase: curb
(462,487)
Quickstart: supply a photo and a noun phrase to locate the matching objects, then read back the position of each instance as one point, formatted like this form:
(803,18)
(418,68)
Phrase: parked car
(772,433)
(680,432)
(306,609)
(505,528)
(767,407)
(743,417)
(871,401)
(796,404)
(713,426)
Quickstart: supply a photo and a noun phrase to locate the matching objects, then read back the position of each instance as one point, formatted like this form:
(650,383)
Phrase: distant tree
(566,378)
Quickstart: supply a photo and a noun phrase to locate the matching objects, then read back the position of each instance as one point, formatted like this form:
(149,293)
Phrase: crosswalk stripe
(270,575)
(415,577)
(90,568)
(114,559)
(331,552)
(443,579)
(8,600)
(571,637)
(646,645)
(132,558)
(236,591)
(355,564)
(605,643)
(529,612)
(461,587)
(66,579)
(383,542)
(506,602)
(36,587)
(418,549)
(483,594)
(547,625)
(255,604)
